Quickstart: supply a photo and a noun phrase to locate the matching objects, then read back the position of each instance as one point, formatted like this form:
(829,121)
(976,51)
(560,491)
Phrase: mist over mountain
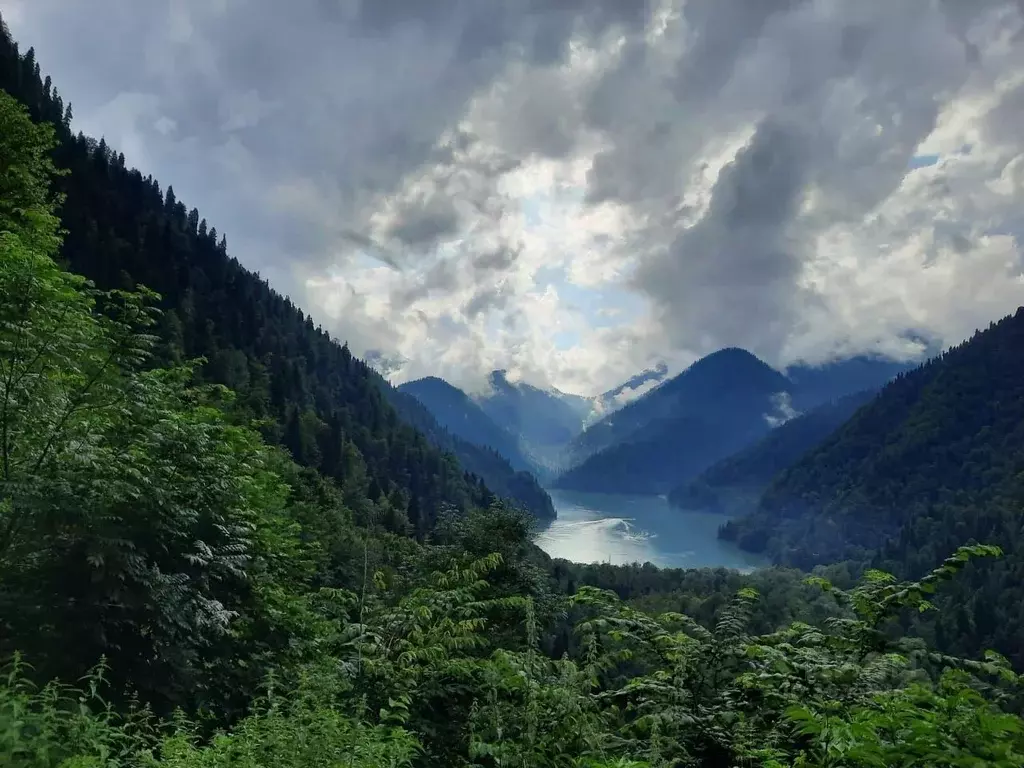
(630,389)
(839,378)
(543,421)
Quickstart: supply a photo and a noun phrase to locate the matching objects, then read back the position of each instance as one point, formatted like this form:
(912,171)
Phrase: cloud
(577,190)
(783,410)
(740,253)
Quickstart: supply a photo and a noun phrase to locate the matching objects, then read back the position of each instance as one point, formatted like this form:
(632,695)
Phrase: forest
(225,542)
(656,442)
(936,458)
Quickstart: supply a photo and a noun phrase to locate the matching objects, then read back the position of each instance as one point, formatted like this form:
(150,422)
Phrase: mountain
(941,432)
(543,420)
(331,410)
(936,458)
(498,476)
(829,381)
(482,446)
(464,418)
(718,405)
(196,566)
(734,485)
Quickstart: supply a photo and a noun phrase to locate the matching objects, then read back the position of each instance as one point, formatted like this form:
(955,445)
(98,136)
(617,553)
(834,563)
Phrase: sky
(577,190)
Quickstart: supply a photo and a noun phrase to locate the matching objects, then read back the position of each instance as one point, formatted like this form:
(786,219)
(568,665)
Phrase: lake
(619,529)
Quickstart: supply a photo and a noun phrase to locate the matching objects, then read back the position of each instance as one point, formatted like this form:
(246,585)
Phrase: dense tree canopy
(936,458)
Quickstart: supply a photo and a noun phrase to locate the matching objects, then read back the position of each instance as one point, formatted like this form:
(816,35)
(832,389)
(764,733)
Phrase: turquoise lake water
(619,529)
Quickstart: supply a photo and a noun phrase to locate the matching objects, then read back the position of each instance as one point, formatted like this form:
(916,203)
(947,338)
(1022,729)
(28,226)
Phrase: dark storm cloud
(539,29)
(842,95)
(486,299)
(721,30)
(363,94)
(441,277)
(497,259)
(738,253)
(423,222)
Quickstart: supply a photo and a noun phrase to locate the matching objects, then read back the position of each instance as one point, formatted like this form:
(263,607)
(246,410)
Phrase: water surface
(619,529)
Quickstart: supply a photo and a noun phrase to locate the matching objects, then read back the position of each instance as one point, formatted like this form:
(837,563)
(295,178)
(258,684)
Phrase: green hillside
(937,457)
(124,230)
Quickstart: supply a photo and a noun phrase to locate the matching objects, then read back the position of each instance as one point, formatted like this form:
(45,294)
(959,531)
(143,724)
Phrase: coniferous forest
(224,541)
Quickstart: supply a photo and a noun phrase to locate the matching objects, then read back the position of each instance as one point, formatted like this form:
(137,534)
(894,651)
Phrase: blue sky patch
(922,161)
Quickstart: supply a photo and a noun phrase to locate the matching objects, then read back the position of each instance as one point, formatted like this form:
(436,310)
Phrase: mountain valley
(227,539)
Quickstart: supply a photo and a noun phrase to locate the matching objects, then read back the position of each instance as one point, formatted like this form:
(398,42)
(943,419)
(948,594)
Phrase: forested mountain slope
(501,475)
(459,414)
(720,405)
(712,409)
(543,421)
(938,456)
(734,485)
(325,405)
(189,597)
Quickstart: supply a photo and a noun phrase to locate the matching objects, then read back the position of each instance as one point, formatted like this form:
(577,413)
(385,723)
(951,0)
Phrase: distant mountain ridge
(482,459)
(655,443)
(721,404)
(541,416)
(817,384)
(463,417)
(734,485)
(713,408)
(528,425)
(543,421)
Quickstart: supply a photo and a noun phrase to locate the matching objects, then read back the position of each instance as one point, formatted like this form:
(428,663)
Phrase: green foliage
(407,673)
(302,731)
(133,511)
(59,726)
